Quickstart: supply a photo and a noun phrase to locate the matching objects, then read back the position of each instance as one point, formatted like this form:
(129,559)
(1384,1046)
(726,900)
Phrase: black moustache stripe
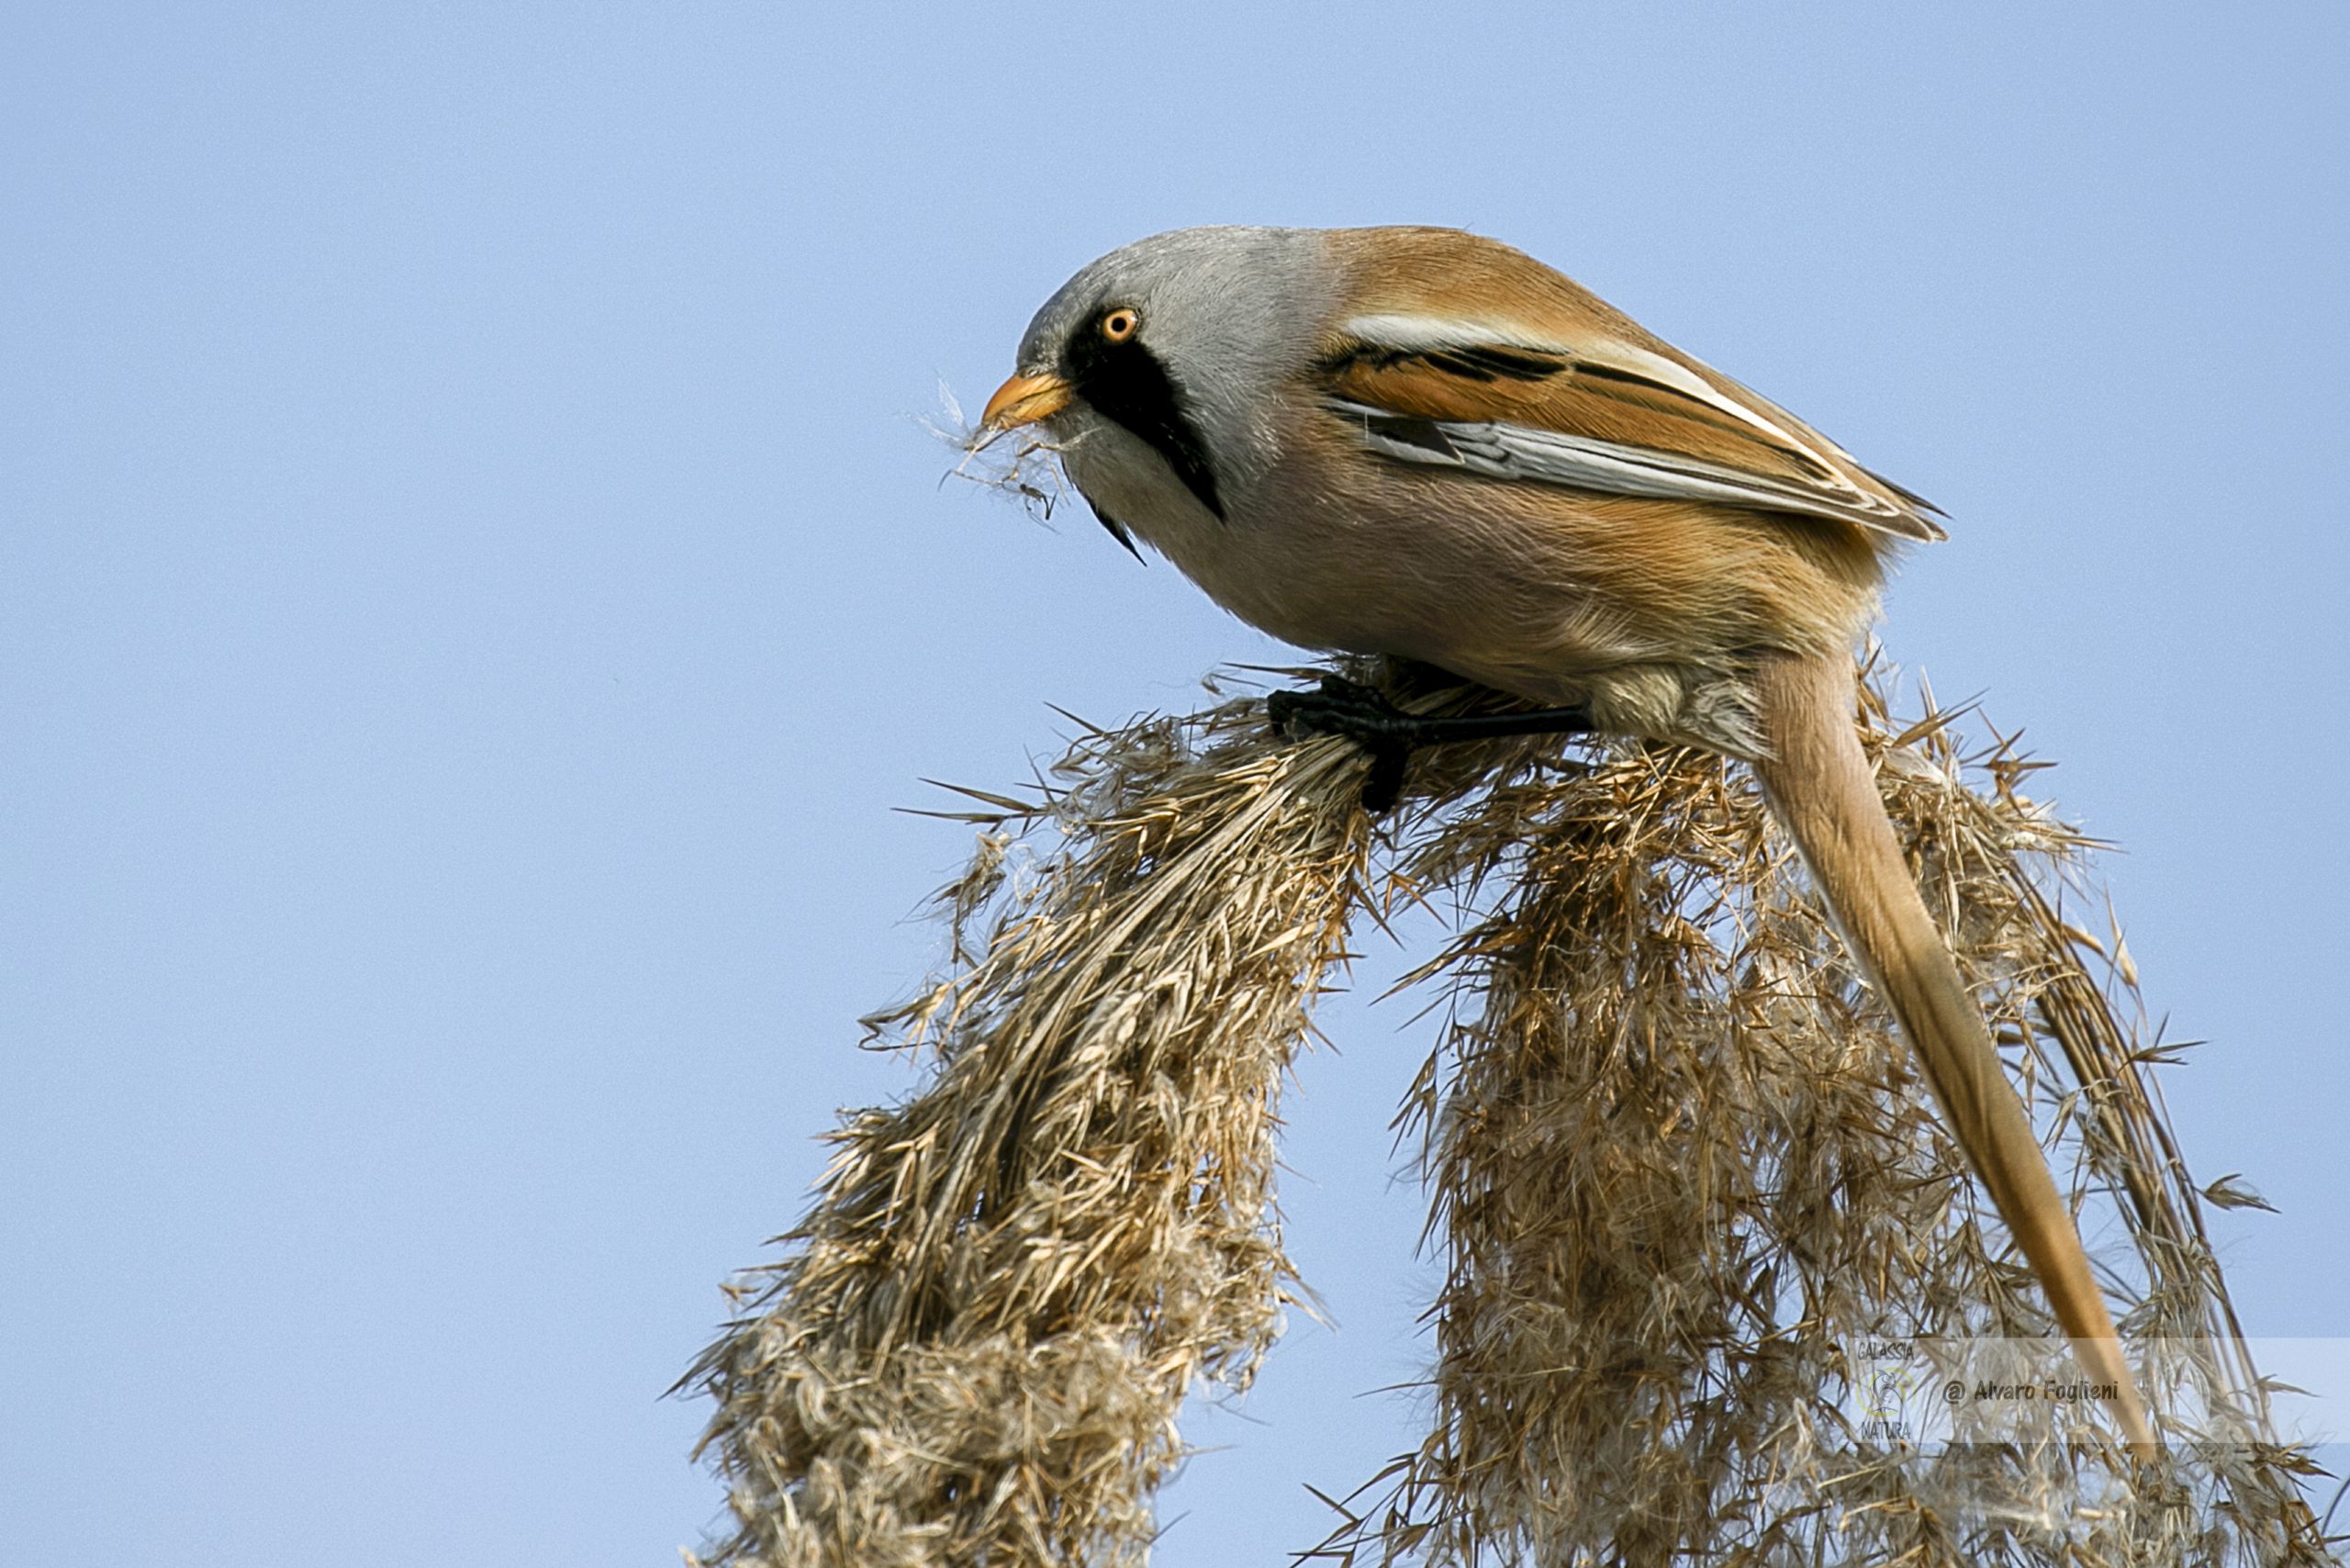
(1124,382)
(1117,529)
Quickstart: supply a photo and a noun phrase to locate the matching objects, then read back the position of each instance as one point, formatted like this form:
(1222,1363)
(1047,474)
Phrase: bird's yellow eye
(1121,324)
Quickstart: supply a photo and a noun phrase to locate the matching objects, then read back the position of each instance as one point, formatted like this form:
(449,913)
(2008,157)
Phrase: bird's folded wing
(1605,415)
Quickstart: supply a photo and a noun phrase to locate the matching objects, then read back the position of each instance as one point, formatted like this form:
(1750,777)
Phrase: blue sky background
(473,585)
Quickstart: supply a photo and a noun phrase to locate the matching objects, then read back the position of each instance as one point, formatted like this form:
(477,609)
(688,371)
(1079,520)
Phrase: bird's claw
(1342,707)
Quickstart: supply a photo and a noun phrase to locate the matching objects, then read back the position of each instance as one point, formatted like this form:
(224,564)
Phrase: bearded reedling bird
(1420,443)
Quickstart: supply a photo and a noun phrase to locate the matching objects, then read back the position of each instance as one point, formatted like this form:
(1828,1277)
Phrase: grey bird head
(1176,341)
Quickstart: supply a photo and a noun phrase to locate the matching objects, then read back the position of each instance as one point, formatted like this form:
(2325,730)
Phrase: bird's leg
(1341,707)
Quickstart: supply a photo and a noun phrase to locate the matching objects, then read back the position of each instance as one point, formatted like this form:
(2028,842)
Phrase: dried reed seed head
(976,1347)
(1677,1159)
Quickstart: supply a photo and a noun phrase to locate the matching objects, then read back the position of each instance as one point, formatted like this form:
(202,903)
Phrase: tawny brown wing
(1606,415)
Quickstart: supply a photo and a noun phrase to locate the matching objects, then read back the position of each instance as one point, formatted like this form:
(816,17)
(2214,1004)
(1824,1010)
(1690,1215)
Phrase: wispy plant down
(1678,1162)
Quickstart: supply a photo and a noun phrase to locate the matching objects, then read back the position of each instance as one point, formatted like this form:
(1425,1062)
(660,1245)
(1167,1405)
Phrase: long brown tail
(1820,786)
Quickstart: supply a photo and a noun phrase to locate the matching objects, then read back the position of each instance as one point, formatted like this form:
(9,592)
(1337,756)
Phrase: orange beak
(1024,400)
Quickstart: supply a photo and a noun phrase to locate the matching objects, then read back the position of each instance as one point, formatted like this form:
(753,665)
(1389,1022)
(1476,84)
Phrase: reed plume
(1679,1166)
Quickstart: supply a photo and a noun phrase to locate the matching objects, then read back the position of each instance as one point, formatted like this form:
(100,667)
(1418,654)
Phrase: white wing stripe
(1520,452)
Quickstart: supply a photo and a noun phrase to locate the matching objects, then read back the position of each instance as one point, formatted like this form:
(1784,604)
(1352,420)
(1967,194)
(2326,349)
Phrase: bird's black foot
(1342,707)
